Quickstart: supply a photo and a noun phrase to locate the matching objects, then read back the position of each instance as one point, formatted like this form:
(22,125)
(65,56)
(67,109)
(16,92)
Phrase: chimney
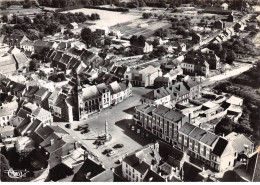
(52,141)
(113,170)
(151,167)
(203,169)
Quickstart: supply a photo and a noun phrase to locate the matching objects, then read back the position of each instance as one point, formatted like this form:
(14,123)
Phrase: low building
(162,82)
(6,132)
(73,25)
(219,25)
(195,66)
(90,171)
(157,162)
(40,95)
(119,91)
(229,149)
(14,40)
(172,75)
(159,96)
(27,45)
(53,144)
(91,99)
(224,6)
(7,111)
(142,48)
(145,77)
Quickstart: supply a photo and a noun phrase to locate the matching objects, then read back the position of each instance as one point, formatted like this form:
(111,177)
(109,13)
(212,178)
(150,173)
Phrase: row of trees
(43,24)
(227,51)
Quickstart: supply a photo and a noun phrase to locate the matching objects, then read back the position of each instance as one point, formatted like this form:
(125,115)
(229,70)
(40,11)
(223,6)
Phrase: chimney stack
(52,141)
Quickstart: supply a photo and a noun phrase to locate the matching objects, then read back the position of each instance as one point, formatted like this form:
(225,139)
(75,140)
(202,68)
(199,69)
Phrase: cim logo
(16,174)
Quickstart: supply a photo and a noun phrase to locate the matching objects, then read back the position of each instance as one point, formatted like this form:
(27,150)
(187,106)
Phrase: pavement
(118,119)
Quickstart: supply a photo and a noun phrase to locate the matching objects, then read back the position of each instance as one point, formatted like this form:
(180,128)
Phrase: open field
(141,27)
(107,18)
(20,11)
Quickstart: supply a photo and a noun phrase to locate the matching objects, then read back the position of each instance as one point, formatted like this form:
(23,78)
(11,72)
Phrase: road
(118,119)
(228,74)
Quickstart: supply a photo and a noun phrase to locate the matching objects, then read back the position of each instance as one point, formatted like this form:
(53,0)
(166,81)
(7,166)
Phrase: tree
(26,20)
(108,41)
(133,39)
(224,126)
(68,32)
(4,167)
(231,56)
(5,18)
(33,65)
(87,36)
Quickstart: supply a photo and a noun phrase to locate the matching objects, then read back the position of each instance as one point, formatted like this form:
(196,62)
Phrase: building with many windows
(160,121)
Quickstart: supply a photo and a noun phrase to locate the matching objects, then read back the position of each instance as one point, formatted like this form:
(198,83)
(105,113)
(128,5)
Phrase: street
(226,75)
(118,118)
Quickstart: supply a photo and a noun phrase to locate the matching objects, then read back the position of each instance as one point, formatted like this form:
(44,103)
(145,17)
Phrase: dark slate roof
(220,146)
(13,37)
(65,59)
(256,173)
(209,138)
(161,79)
(197,133)
(174,115)
(40,43)
(41,91)
(19,87)
(161,110)
(155,177)
(190,172)
(87,171)
(58,56)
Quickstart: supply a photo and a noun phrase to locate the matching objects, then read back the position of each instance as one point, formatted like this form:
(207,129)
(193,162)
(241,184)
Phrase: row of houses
(97,97)
(180,92)
(175,128)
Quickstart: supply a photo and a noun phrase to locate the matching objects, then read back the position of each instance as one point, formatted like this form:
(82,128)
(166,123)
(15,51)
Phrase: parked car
(106,151)
(118,146)
(112,152)
(84,131)
(82,127)
(68,125)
